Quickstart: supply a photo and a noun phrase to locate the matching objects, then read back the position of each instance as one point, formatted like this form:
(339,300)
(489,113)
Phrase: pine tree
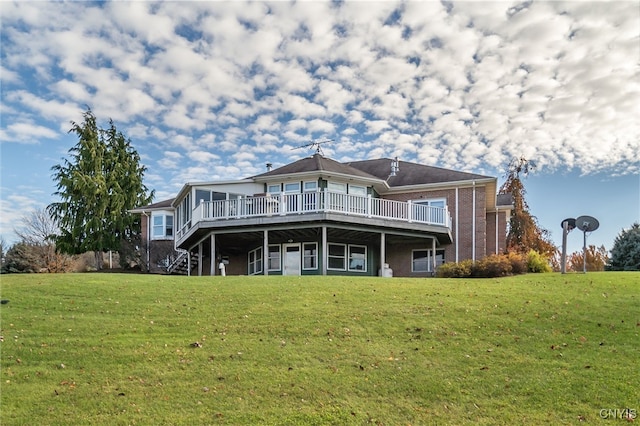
(524,232)
(625,254)
(101,181)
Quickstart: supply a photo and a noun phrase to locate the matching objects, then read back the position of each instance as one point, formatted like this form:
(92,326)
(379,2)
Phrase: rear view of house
(317,216)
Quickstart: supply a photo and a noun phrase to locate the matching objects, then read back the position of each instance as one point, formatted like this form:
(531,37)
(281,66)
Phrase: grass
(117,349)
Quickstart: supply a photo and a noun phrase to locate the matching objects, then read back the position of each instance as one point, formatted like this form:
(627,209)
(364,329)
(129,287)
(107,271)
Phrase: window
(162,226)
(422,260)
(337,187)
(274,258)
(337,198)
(357,190)
(310,256)
(423,211)
(202,195)
(357,258)
(336,257)
(358,199)
(291,198)
(292,187)
(310,186)
(255,261)
(185,210)
(310,195)
(273,189)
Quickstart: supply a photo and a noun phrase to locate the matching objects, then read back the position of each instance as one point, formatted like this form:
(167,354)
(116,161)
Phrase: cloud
(27,132)
(210,89)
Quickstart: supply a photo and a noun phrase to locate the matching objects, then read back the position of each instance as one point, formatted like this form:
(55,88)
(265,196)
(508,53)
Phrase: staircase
(180,266)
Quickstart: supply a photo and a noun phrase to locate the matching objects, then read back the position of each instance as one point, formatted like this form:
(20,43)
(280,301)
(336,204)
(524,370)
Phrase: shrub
(518,263)
(455,270)
(537,263)
(492,266)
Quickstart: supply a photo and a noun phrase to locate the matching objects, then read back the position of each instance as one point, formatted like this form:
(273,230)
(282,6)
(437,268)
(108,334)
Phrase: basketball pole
(565,231)
(584,252)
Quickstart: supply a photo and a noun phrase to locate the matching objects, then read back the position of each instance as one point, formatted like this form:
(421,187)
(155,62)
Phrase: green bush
(537,263)
(455,270)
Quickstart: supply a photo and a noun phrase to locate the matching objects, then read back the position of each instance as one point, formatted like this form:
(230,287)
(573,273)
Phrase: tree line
(102,179)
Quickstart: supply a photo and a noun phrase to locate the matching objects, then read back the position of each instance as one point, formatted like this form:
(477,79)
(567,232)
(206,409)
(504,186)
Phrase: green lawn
(117,349)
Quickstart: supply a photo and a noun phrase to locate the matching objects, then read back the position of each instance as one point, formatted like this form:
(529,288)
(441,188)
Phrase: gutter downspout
(456,226)
(497,233)
(148,242)
(473,224)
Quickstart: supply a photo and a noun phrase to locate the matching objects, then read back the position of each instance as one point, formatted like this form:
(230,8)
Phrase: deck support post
(325,254)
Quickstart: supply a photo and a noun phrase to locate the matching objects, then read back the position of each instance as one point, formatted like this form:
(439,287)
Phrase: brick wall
(464,219)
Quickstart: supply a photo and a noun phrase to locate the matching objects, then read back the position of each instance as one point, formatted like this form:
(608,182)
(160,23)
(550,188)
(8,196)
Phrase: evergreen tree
(625,254)
(524,232)
(100,183)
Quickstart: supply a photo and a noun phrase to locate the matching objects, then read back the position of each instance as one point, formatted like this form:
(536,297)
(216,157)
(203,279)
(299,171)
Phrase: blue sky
(214,90)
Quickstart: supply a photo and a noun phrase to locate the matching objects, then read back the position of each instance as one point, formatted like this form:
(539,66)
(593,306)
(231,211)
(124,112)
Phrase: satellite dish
(587,223)
(571,223)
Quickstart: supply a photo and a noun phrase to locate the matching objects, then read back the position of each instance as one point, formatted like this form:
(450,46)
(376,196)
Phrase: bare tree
(3,251)
(37,228)
(36,233)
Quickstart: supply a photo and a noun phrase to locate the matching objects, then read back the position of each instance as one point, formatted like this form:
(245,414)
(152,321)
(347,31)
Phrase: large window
(310,256)
(202,195)
(274,258)
(358,190)
(358,202)
(162,227)
(352,257)
(357,258)
(431,210)
(292,191)
(185,210)
(337,257)
(422,260)
(337,187)
(336,196)
(255,261)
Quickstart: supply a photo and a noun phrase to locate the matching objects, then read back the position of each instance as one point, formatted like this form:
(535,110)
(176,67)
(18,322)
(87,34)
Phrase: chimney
(269,167)
(395,167)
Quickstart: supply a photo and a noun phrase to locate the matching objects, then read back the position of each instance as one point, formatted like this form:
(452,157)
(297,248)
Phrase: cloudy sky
(214,90)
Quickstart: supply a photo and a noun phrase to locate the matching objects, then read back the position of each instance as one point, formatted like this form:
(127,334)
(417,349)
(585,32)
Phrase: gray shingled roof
(504,200)
(164,204)
(316,163)
(412,173)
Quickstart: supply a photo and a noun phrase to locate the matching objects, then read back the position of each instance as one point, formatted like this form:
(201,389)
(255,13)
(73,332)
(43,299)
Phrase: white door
(291,259)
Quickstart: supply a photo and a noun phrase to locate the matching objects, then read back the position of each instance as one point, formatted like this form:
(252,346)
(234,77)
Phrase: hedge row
(497,265)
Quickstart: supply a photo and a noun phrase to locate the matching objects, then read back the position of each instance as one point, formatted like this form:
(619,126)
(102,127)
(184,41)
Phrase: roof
(412,173)
(317,163)
(160,205)
(504,199)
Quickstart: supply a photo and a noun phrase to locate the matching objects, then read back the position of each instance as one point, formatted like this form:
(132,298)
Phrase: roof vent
(395,167)
(269,167)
